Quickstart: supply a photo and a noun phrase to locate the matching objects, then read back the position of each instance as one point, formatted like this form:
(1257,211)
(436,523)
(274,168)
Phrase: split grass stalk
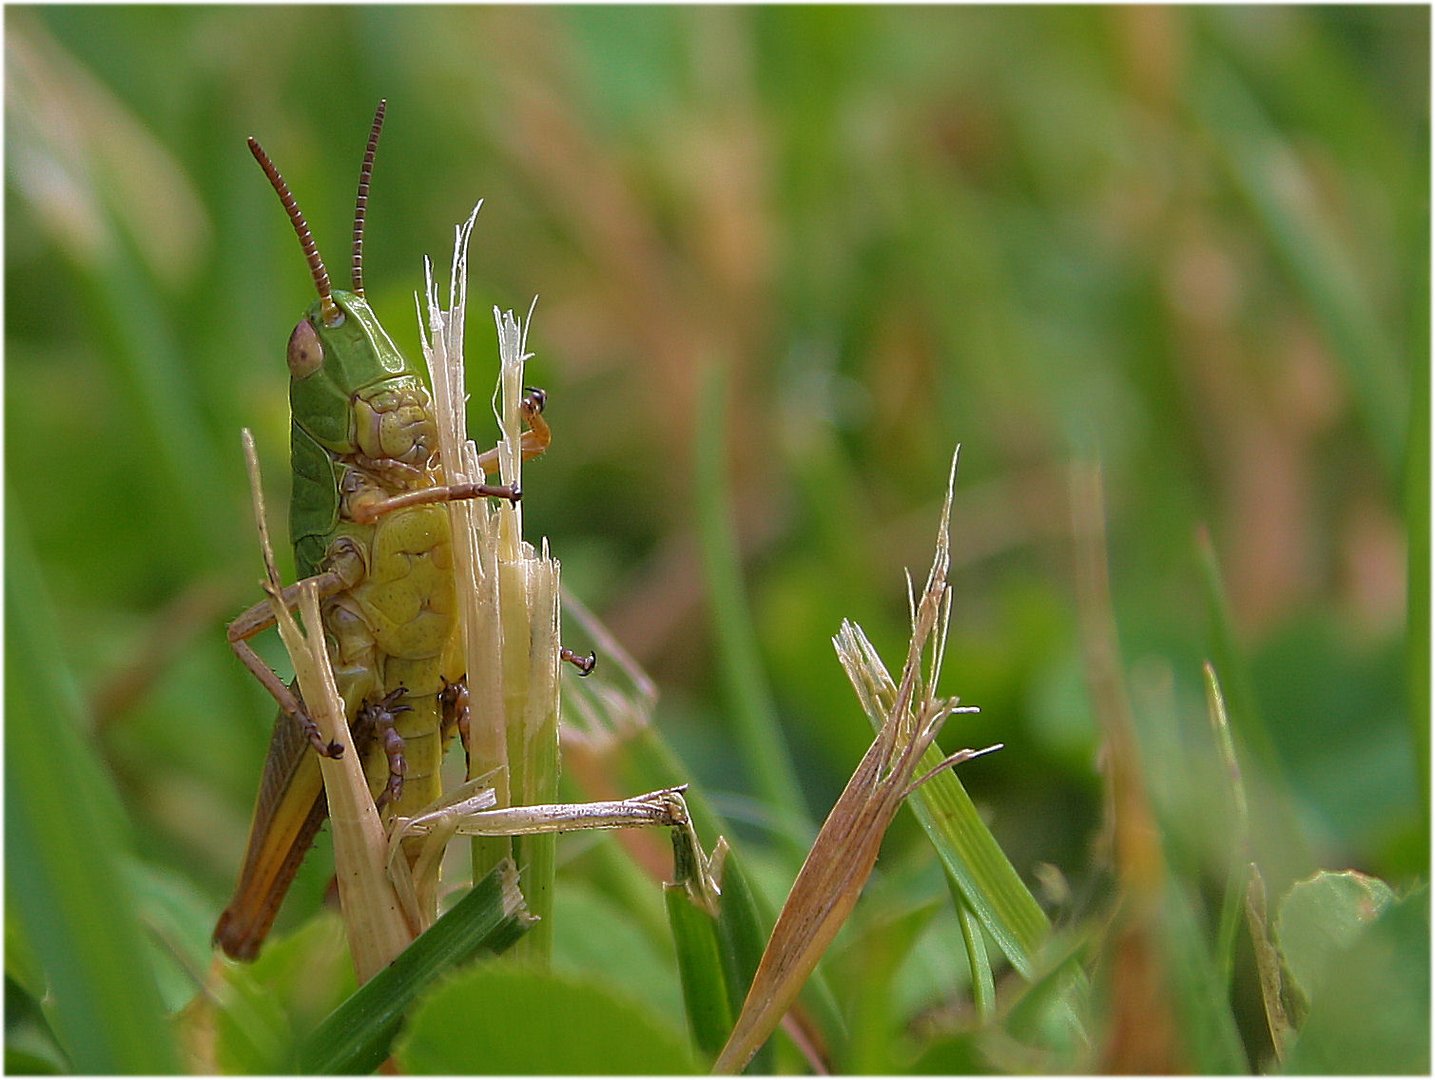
(508,595)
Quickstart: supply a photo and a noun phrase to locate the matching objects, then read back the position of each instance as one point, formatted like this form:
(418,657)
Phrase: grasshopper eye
(306,352)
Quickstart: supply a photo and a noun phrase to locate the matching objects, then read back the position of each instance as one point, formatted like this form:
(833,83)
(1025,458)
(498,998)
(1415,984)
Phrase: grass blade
(741,936)
(1248,729)
(700,967)
(989,885)
(984,990)
(60,847)
(754,712)
(1240,856)
(355,1038)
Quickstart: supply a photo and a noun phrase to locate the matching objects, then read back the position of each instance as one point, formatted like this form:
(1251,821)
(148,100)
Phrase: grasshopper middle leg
(259,618)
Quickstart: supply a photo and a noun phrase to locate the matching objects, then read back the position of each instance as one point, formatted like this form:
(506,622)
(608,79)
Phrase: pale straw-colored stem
(375,919)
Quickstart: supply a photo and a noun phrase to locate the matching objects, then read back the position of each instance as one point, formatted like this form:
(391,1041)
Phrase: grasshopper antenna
(361,204)
(332,314)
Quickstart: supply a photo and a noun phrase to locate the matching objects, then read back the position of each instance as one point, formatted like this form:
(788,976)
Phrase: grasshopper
(368,527)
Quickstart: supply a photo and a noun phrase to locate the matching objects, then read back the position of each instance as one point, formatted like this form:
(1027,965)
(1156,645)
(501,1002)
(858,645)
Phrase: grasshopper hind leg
(378,720)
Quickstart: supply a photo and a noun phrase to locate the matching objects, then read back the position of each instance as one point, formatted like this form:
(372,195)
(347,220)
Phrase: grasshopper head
(351,388)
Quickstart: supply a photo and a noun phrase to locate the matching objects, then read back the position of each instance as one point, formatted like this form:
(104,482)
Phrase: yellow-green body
(396,629)
(363,432)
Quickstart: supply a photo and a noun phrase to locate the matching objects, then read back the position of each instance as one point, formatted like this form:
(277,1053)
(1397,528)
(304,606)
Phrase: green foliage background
(1192,243)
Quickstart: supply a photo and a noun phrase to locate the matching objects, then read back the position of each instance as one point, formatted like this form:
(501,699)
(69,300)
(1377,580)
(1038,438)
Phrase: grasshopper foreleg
(535,440)
(366,513)
(259,618)
(453,698)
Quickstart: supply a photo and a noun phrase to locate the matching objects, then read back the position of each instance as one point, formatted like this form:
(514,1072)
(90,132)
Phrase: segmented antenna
(361,204)
(330,310)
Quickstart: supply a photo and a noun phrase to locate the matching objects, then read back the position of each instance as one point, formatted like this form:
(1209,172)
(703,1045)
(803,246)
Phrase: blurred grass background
(1192,242)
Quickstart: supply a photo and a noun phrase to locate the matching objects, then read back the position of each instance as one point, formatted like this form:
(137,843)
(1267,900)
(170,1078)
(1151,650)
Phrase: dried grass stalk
(508,590)
(378,924)
(845,851)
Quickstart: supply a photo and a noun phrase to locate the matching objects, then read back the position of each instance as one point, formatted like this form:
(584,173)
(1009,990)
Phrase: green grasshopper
(368,527)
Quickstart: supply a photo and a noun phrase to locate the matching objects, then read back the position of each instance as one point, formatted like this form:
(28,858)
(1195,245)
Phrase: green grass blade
(1239,695)
(700,967)
(741,938)
(60,846)
(1207,1024)
(745,921)
(1233,901)
(647,763)
(1249,732)
(754,713)
(31,1048)
(355,1038)
(984,990)
(988,883)
(1048,1012)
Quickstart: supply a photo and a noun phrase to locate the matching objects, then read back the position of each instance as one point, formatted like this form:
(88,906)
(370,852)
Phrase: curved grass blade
(984,990)
(355,1038)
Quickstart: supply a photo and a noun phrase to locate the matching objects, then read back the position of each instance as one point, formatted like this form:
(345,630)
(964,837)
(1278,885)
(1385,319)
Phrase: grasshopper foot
(584,664)
(453,702)
(476,490)
(333,750)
